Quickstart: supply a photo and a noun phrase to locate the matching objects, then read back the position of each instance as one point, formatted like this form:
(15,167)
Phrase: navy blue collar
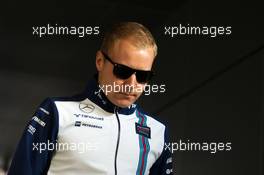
(96,95)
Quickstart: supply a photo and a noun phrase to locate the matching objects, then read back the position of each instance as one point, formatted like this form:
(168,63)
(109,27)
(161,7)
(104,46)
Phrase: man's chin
(122,100)
(123,103)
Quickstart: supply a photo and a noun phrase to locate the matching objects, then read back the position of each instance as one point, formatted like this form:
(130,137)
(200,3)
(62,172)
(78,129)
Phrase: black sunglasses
(124,72)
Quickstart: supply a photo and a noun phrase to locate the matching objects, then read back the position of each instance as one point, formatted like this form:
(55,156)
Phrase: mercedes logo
(88,108)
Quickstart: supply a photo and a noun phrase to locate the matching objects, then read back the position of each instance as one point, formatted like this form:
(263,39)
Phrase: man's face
(125,53)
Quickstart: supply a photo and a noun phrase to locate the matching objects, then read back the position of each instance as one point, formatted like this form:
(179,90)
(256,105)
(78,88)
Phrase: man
(101,131)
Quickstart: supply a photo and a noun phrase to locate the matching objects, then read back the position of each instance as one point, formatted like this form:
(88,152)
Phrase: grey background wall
(213,85)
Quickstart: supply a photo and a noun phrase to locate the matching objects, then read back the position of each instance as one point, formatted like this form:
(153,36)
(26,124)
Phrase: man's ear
(99,61)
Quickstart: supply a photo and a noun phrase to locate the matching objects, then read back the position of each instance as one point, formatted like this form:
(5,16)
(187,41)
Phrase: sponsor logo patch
(87,108)
(143,130)
(88,116)
(85,124)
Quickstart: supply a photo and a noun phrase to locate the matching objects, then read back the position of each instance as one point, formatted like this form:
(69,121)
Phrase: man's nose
(132,80)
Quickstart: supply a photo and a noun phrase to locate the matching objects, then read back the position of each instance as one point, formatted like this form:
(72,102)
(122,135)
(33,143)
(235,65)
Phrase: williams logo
(142,130)
(87,108)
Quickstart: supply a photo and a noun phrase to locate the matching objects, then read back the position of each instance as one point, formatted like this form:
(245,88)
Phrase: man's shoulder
(50,102)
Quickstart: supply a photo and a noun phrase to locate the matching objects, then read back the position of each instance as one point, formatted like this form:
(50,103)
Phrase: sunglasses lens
(122,72)
(144,76)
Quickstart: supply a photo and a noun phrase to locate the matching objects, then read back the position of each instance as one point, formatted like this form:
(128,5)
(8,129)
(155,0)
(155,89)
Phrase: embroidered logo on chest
(143,130)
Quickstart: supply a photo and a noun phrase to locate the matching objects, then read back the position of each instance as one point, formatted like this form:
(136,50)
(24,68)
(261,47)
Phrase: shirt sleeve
(163,165)
(37,145)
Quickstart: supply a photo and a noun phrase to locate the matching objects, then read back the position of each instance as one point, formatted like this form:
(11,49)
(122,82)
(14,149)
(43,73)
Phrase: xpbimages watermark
(146,89)
(80,31)
(211,31)
(80,147)
(212,147)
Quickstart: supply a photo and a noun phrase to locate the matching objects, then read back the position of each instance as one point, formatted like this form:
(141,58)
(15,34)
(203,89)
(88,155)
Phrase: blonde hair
(140,36)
